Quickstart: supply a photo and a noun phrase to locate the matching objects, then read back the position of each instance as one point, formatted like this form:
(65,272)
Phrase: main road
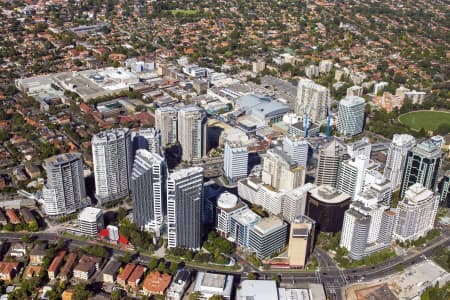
(332,277)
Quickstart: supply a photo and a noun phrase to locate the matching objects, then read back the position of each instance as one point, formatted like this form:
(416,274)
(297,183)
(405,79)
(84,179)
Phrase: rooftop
(246,217)
(90,214)
(156,282)
(350,101)
(268,225)
(257,290)
(185,173)
(60,159)
(328,194)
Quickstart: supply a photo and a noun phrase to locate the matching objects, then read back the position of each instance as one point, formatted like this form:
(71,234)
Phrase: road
(333,278)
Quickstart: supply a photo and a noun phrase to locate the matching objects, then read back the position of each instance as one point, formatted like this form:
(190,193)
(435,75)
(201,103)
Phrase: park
(429,120)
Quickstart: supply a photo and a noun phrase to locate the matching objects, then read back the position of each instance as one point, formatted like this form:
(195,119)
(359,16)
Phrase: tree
(81,292)
(26,238)
(194,296)
(216,297)
(115,295)
(33,226)
(252,276)
(153,263)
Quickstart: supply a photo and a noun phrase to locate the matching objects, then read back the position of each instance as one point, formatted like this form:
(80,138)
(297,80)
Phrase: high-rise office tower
(148,139)
(422,166)
(312,99)
(280,172)
(301,241)
(184,208)
(415,213)
(166,122)
(330,158)
(396,158)
(192,132)
(65,191)
(148,189)
(296,149)
(351,175)
(327,206)
(235,161)
(112,156)
(351,115)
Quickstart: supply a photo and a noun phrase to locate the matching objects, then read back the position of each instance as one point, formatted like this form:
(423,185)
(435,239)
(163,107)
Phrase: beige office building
(301,241)
(280,172)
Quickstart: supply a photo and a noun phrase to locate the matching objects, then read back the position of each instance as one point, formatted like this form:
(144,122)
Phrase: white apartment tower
(64,192)
(235,161)
(351,115)
(148,190)
(362,226)
(184,208)
(192,132)
(396,158)
(166,122)
(351,175)
(112,157)
(312,99)
(296,148)
(294,202)
(415,213)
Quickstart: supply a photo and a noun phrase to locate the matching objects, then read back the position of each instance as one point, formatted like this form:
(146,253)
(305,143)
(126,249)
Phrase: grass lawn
(183,11)
(429,120)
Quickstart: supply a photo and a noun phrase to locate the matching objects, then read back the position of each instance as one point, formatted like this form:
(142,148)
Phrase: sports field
(429,120)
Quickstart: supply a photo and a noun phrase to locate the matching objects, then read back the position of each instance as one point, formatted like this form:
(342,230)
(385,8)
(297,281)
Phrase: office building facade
(112,157)
(148,189)
(65,191)
(301,241)
(330,159)
(296,149)
(227,205)
(184,208)
(90,221)
(280,172)
(423,163)
(294,202)
(267,237)
(327,206)
(444,189)
(396,158)
(235,162)
(351,115)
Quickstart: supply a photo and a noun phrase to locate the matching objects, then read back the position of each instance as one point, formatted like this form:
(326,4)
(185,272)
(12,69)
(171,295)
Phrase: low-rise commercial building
(210,284)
